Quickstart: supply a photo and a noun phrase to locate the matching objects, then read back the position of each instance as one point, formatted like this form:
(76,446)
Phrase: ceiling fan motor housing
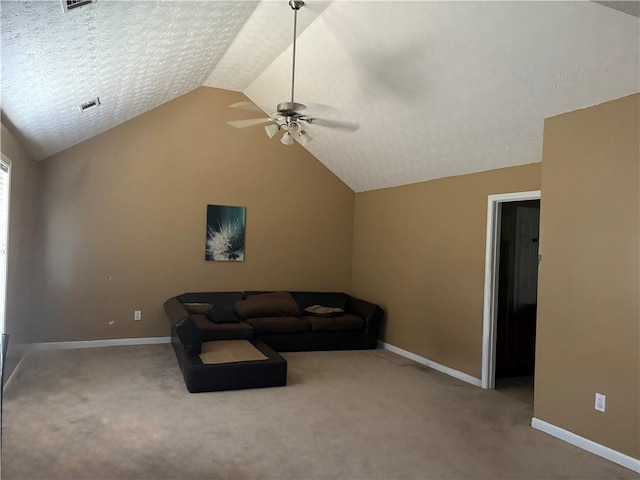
(288,109)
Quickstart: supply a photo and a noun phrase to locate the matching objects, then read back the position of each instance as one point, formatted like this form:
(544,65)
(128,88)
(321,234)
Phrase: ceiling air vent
(68,5)
(90,104)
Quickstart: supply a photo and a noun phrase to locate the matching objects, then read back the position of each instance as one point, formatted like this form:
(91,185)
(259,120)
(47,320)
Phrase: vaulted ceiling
(437,88)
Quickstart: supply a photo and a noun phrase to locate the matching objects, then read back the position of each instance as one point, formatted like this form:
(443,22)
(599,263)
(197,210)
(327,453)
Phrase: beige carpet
(123,412)
(520,388)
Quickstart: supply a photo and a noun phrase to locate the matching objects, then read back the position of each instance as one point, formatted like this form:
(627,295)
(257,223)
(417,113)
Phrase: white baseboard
(431,364)
(115,342)
(586,444)
(23,350)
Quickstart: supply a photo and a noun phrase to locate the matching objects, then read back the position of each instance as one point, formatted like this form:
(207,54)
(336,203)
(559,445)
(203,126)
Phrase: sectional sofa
(271,321)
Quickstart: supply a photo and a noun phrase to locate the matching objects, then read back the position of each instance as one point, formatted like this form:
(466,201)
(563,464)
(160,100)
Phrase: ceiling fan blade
(250,122)
(248,106)
(321,110)
(336,124)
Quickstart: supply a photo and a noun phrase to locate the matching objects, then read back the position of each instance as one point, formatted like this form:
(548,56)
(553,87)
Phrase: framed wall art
(225,233)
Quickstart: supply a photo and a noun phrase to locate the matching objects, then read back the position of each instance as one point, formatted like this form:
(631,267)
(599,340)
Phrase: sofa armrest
(189,335)
(175,310)
(372,315)
(183,326)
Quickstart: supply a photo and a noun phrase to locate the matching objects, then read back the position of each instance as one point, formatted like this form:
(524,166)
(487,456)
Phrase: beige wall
(23,234)
(131,204)
(419,251)
(588,305)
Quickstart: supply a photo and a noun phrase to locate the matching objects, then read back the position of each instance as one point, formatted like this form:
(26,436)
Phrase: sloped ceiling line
(630,8)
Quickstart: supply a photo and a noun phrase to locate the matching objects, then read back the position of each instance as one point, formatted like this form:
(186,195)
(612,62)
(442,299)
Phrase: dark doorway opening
(517,298)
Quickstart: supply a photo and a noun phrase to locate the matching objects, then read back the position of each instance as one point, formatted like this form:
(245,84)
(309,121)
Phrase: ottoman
(231,365)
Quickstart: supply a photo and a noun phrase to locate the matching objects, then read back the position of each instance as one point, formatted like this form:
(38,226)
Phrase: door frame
(5,240)
(491,263)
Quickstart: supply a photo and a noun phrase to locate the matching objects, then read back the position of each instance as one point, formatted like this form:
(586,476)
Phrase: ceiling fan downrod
(295,5)
(288,108)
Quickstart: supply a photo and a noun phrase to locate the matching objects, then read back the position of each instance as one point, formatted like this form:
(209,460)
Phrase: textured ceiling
(438,88)
(134,55)
(261,41)
(447,88)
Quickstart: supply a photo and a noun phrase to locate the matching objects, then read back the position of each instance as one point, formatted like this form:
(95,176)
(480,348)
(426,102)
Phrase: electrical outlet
(601,402)
(137,315)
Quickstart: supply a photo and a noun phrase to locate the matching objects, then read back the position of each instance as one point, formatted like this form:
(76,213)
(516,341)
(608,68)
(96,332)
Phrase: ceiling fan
(290,117)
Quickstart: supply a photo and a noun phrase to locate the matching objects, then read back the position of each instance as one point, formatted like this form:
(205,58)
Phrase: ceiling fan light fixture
(271,130)
(286,139)
(294,128)
(304,137)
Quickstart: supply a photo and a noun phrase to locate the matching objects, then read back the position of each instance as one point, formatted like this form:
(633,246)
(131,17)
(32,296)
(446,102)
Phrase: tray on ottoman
(231,365)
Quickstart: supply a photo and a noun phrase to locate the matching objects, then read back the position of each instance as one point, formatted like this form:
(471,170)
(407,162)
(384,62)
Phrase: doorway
(511,266)
(517,298)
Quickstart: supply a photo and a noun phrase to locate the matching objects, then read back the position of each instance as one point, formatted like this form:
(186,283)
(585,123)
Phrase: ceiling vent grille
(90,104)
(68,5)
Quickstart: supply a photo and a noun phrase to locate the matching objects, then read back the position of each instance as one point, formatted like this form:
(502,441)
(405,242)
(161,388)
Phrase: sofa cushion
(224,316)
(278,324)
(327,299)
(189,334)
(198,307)
(321,311)
(228,351)
(219,300)
(221,331)
(276,304)
(334,324)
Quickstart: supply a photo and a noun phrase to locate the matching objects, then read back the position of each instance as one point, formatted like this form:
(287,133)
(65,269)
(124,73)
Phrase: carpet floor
(124,413)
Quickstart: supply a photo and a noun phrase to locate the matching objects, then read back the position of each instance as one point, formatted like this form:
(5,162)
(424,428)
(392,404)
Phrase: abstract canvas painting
(225,233)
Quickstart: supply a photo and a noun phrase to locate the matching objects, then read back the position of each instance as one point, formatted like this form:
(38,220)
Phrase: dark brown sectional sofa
(277,321)
(287,331)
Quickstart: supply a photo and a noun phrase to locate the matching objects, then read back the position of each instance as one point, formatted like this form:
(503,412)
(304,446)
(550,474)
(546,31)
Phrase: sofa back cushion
(198,307)
(219,300)
(227,315)
(275,304)
(326,299)
(221,331)
(344,322)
